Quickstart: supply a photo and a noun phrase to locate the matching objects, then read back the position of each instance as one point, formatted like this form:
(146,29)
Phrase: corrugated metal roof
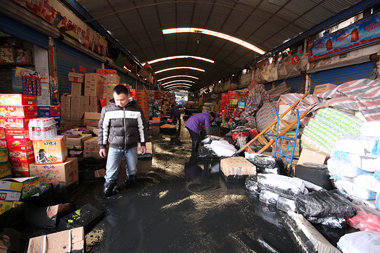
(265,23)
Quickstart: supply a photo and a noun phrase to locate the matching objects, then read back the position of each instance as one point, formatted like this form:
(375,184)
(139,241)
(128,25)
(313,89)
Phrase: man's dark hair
(121,89)
(212,114)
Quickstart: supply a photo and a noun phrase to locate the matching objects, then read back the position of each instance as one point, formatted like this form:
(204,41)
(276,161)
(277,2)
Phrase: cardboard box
(93,85)
(12,189)
(51,151)
(92,108)
(63,176)
(19,144)
(76,77)
(85,100)
(17,99)
(76,141)
(310,155)
(57,242)
(112,78)
(91,154)
(94,101)
(15,123)
(237,166)
(20,111)
(55,110)
(91,144)
(76,89)
(91,118)
(323,88)
(5,170)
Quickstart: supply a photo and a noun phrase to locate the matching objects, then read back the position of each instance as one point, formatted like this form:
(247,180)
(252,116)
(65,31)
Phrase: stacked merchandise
(51,111)
(16,111)
(5,166)
(328,126)
(91,148)
(225,101)
(93,91)
(143,101)
(354,165)
(110,80)
(158,95)
(152,102)
(51,163)
(241,105)
(233,97)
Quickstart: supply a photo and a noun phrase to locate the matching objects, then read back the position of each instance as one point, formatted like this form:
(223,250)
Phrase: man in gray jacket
(122,125)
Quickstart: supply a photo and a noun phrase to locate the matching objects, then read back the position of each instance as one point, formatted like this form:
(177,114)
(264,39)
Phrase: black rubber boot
(129,181)
(109,189)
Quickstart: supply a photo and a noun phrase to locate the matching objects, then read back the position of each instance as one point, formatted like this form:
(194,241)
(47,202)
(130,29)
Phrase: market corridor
(178,205)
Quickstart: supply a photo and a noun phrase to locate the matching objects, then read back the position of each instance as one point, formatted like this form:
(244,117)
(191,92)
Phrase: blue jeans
(114,159)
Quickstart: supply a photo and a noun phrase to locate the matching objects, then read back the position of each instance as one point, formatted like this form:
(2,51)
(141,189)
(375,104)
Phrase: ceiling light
(175,84)
(168,69)
(179,57)
(177,81)
(216,34)
(162,79)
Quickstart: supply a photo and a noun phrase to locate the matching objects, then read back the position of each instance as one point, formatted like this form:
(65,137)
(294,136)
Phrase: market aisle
(179,207)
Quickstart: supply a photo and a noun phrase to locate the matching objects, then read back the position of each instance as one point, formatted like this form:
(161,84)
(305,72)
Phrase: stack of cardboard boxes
(91,148)
(143,101)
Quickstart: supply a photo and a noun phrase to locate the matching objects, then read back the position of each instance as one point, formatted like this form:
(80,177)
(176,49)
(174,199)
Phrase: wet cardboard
(59,242)
(64,176)
(47,217)
(43,197)
(86,217)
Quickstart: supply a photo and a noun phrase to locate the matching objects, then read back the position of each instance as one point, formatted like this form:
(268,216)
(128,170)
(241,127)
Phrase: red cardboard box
(19,144)
(17,99)
(17,173)
(21,156)
(101,71)
(21,111)
(55,110)
(2,133)
(17,133)
(110,71)
(14,123)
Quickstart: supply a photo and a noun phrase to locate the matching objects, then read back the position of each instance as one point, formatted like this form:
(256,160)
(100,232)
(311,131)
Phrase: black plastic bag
(323,204)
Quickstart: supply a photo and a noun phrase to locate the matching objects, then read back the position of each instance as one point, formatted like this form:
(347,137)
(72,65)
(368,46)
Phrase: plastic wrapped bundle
(204,154)
(286,204)
(367,181)
(281,184)
(305,236)
(355,190)
(370,128)
(367,219)
(222,148)
(343,168)
(324,204)
(367,163)
(359,144)
(360,242)
(268,197)
(331,222)
(264,162)
(251,184)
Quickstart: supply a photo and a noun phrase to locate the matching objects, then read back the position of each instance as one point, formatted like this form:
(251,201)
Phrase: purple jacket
(194,123)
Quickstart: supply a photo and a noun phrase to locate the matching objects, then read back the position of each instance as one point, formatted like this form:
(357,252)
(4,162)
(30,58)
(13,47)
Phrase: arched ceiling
(138,25)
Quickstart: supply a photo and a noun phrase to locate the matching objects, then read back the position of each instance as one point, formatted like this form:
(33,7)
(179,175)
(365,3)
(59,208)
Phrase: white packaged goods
(42,129)
(223,148)
(268,197)
(371,128)
(367,163)
(359,144)
(367,181)
(360,242)
(281,184)
(355,190)
(343,168)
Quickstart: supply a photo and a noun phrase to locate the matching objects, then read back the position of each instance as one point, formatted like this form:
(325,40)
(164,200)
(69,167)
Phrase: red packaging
(3,143)
(17,99)
(21,111)
(14,123)
(101,71)
(2,134)
(17,133)
(17,173)
(18,157)
(110,71)
(24,145)
(55,110)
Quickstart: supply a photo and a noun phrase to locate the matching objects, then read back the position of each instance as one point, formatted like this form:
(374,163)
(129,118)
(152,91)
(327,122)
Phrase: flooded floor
(178,205)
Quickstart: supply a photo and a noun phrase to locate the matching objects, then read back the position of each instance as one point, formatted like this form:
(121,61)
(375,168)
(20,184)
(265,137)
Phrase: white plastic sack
(343,168)
(359,144)
(223,148)
(360,242)
(283,184)
(367,181)
(355,190)
(370,128)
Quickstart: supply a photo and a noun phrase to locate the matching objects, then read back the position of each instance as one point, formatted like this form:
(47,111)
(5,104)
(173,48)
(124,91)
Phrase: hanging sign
(61,17)
(358,34)
(82,69)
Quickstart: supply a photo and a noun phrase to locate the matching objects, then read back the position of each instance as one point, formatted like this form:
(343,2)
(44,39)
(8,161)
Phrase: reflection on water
(193,170)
